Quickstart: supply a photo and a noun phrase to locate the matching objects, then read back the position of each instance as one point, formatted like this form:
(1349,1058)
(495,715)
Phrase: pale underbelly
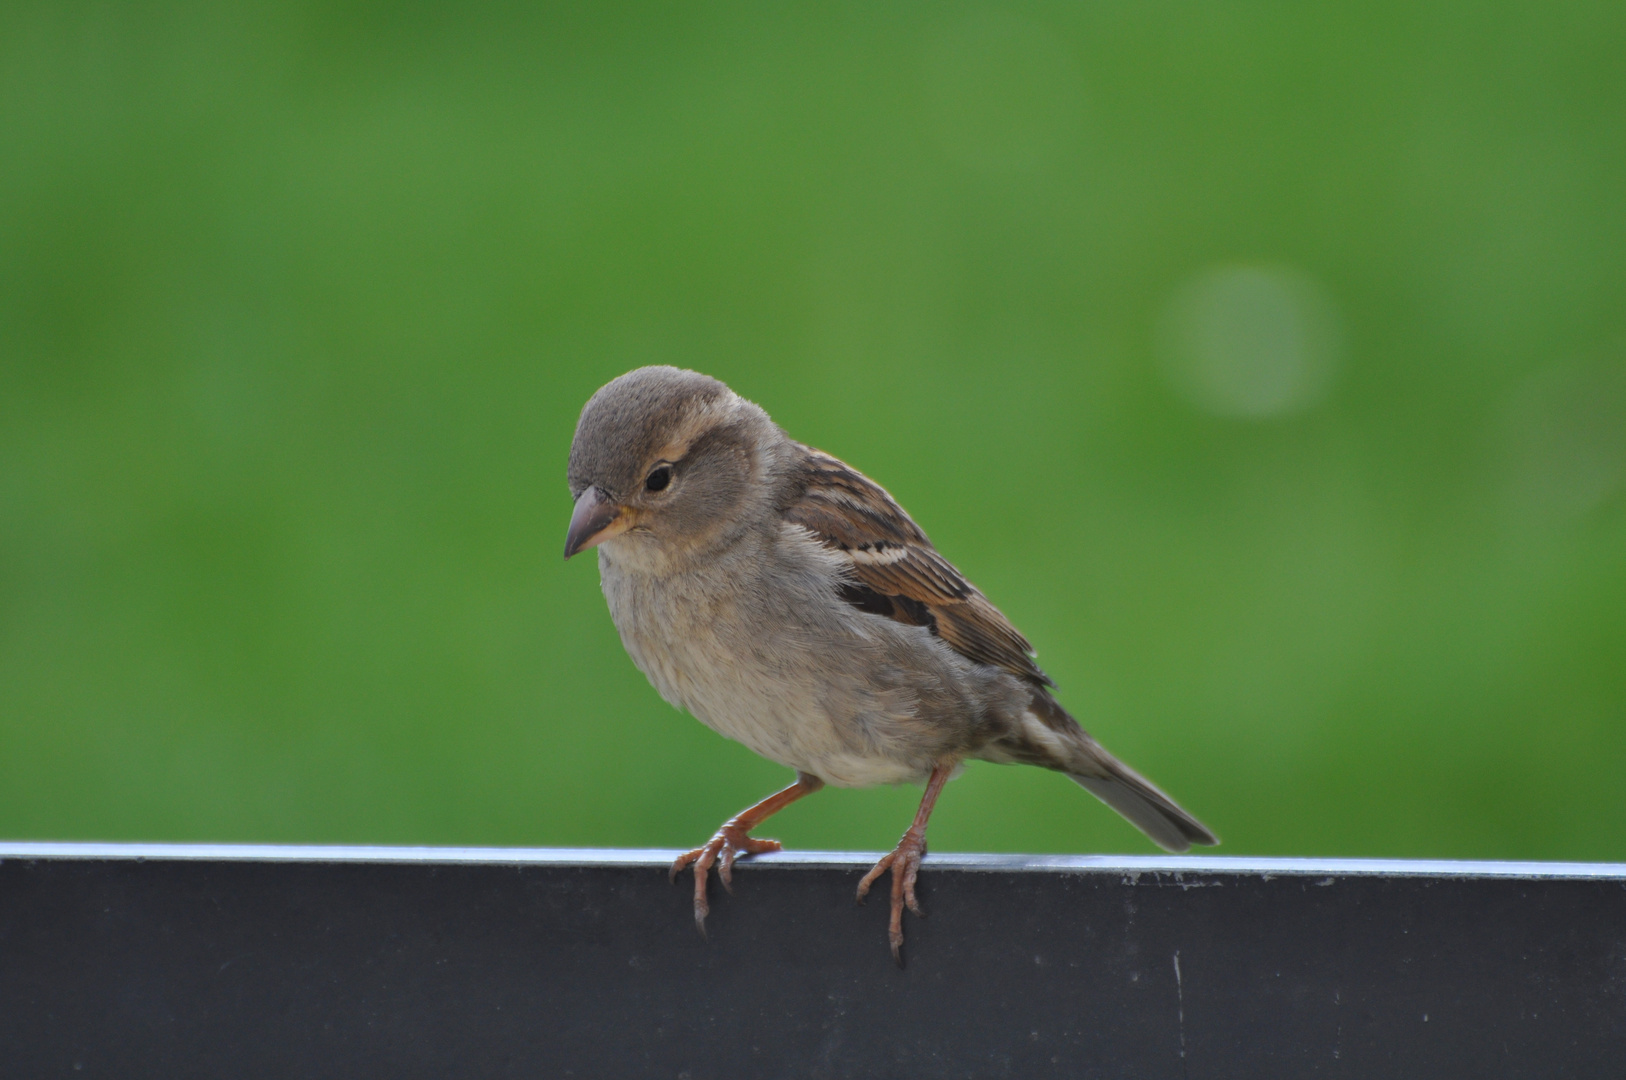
(784,718)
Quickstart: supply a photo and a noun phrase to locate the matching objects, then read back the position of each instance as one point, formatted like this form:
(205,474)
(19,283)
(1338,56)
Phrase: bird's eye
(657,480)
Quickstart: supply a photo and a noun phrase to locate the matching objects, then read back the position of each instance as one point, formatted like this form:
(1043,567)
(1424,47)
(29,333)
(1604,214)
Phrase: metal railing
(133,960)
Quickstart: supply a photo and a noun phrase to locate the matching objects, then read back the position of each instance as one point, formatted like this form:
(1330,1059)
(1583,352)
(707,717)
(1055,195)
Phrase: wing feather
(895,571)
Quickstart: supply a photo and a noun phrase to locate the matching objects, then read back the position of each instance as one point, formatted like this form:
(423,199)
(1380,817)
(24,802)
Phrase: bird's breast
(775,668)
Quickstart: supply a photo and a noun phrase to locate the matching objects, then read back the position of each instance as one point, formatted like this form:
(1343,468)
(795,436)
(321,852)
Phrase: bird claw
(904,863)
(730,842)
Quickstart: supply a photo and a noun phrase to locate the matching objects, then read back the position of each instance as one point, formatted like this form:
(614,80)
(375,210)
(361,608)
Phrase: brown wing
(895,570)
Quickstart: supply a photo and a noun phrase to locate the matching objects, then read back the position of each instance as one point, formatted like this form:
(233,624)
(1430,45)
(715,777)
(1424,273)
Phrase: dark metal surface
(217,962)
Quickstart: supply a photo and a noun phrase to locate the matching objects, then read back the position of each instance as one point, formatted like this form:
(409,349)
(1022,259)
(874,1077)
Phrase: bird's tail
(1088,764)
(1146,808)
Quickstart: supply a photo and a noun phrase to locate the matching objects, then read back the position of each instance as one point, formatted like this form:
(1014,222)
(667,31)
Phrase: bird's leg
(904,862)
(732,841)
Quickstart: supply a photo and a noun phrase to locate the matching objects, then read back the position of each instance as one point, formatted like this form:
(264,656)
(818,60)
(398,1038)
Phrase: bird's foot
(904,862)
(731,841)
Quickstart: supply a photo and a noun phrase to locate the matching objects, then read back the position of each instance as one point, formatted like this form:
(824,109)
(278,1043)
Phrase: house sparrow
(789,603)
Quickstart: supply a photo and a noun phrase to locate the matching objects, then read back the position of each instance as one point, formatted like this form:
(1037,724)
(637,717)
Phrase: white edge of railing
(1128,865)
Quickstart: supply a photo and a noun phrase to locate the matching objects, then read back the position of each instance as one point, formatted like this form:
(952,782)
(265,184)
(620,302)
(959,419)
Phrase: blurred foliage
(1263,361)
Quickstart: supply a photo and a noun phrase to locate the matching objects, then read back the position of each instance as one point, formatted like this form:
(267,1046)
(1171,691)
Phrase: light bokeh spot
(1567,427)
(1250,342)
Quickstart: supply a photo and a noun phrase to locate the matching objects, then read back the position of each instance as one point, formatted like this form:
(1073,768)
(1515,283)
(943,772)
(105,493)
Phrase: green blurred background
(1265,362)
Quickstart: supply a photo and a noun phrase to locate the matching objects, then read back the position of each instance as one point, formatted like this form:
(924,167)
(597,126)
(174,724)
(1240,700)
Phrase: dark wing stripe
(896,573)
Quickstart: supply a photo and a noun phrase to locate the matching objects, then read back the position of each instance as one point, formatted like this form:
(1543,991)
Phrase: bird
(787,601)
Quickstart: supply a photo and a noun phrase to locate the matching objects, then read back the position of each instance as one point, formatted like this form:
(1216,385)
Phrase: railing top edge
(1128,865)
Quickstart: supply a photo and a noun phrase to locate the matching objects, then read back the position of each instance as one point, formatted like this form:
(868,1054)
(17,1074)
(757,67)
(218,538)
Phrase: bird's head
(667,463)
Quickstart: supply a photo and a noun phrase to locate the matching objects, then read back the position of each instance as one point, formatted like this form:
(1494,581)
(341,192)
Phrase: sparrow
(787,601)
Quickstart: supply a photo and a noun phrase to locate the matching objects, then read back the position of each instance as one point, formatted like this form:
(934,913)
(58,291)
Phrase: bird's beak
(594,521)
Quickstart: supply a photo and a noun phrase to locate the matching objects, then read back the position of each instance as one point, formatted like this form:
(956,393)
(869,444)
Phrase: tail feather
(1055,740)
(1146,808)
